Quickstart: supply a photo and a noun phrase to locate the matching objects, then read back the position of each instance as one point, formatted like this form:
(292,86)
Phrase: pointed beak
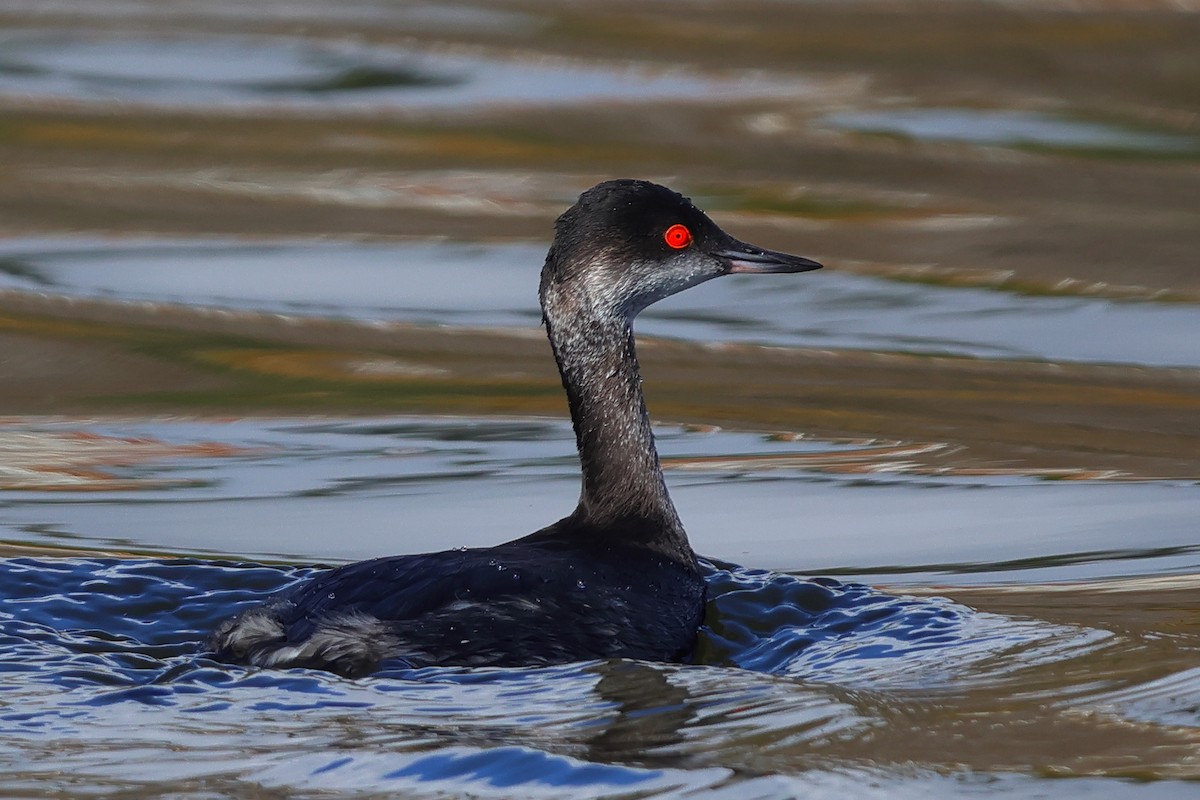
(746,258)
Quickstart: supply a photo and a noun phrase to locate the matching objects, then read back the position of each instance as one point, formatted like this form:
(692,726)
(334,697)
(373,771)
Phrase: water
(272,490)
(896,631)
(801,684)
(1008,128)
(380,14)
(97,646)
(243,72)
(495,285)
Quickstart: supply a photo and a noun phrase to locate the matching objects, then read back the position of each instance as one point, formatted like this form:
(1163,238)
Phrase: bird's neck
(624,493)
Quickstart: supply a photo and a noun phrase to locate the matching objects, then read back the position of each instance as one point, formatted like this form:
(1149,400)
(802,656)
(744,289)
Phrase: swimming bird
(617,577)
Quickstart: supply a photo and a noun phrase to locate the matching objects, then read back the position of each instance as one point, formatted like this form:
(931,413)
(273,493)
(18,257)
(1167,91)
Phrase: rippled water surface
(495,284)
(94,648)
(1008,128)
(294,73)
(802,684)
(274,490)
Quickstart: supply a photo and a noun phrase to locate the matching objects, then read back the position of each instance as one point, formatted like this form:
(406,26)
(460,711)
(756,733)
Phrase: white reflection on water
(496,285)
(330,490)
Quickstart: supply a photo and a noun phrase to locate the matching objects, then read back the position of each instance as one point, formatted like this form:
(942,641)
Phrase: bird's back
(522,603)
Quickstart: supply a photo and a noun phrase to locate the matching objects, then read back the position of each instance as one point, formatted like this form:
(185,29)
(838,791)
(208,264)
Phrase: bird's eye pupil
(678,236)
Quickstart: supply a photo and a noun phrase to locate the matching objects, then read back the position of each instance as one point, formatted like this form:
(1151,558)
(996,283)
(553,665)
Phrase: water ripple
(823,629)
(1171,700)
(100,668)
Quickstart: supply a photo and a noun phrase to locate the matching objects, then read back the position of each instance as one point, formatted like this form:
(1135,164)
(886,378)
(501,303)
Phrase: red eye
(678,237)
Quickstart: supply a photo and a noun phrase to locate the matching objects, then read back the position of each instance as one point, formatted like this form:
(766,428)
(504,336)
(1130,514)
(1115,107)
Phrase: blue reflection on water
(770,622)
(127,623)
(519,763)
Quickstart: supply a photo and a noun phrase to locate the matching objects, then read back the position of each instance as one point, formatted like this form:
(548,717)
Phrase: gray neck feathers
(623,488)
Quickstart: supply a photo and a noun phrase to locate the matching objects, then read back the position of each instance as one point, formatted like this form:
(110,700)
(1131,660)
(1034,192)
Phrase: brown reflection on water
(1124,705)
(77,460)
(993,417)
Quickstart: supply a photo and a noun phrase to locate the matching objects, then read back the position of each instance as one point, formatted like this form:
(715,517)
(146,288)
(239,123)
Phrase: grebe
(615,578)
